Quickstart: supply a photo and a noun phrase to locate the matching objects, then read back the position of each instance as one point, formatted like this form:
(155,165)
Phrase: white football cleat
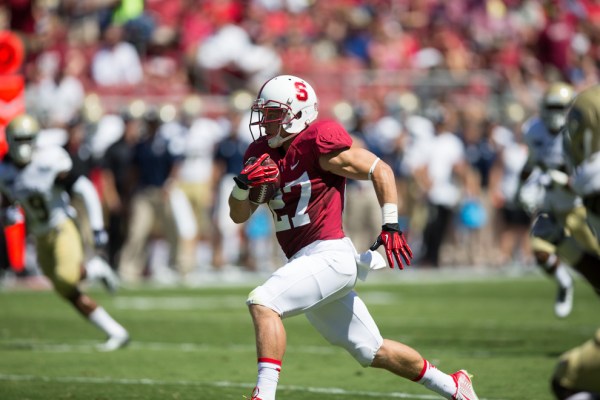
(564,301)
(114,343)
(464,386)
(98,269)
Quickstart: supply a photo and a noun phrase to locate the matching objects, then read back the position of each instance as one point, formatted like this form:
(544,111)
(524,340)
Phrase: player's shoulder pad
(330,136)
(54,157)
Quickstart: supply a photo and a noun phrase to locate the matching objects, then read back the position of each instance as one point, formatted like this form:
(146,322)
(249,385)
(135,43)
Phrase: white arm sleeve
(84,187)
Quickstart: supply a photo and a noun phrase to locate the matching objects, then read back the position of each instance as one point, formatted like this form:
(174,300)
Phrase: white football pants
(318,281)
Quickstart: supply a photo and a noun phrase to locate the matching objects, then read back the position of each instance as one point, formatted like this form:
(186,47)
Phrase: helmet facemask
(554,118)
(271,120)
(21,150)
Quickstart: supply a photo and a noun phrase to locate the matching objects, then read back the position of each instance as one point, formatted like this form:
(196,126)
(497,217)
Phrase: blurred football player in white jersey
(36,179)
(577,375)
(558,229)
(312,159)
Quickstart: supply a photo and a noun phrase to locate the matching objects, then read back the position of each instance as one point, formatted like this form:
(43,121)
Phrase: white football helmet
(292,94)
(555,104)
(20,136)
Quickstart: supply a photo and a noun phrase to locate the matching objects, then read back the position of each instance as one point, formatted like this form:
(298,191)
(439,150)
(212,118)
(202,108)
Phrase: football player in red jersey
(314,159)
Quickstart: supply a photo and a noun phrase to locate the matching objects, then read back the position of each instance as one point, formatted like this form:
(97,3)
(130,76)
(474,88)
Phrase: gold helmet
(555,103)
(583,125)
(20,136)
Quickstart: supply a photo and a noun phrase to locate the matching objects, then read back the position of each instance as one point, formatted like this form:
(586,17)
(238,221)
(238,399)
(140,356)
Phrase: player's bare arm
(357,163)
(240,211)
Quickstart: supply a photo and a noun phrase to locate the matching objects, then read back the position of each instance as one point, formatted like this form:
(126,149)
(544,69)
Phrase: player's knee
(545,260)
(258,303)
(364,352)
(65,288)
(256,297)
(365,355)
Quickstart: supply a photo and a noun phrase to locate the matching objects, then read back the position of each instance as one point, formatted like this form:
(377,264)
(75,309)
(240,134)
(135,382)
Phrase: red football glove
(256,174)
(395,245)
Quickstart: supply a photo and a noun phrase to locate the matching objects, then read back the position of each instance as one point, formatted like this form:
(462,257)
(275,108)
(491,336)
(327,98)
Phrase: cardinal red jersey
(310,203)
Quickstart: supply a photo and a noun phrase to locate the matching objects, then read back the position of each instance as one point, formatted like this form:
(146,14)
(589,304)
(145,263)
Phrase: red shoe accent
(464,386)
(254,395)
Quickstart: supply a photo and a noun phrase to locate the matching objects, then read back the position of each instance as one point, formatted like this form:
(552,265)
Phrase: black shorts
(515,216)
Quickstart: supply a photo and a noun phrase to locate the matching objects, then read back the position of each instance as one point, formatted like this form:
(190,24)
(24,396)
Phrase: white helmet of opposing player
(555,103)
(20,136)
(297,100)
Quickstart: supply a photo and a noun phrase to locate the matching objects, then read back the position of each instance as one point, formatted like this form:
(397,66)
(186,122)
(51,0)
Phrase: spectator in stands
(116,62)
(138,25)
(231,59)
(556,37)
(57,92)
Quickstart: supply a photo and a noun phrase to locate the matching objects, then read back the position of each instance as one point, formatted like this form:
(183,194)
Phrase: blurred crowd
(150,97)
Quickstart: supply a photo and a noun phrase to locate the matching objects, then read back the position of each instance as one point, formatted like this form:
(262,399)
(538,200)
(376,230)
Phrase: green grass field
(199,344)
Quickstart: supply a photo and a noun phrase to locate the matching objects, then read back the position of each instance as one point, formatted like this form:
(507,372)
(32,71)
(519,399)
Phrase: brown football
(263,193)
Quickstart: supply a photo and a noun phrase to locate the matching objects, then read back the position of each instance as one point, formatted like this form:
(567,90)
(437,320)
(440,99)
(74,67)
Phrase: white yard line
(225,384)
(215,302)
(148,303)
(89,346)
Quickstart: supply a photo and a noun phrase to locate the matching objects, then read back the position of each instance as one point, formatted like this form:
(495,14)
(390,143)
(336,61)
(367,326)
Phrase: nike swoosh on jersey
(295,165)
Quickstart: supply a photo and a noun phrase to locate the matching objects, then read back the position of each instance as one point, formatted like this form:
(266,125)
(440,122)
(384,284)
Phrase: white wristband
(239,194)
(389,213)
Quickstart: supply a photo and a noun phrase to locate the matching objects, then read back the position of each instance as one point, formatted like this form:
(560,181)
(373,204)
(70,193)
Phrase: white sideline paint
(146,303)
(142,303)
(224,384)
(89,346)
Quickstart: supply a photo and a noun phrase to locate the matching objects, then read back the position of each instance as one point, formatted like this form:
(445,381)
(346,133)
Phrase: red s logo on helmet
(301,93)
